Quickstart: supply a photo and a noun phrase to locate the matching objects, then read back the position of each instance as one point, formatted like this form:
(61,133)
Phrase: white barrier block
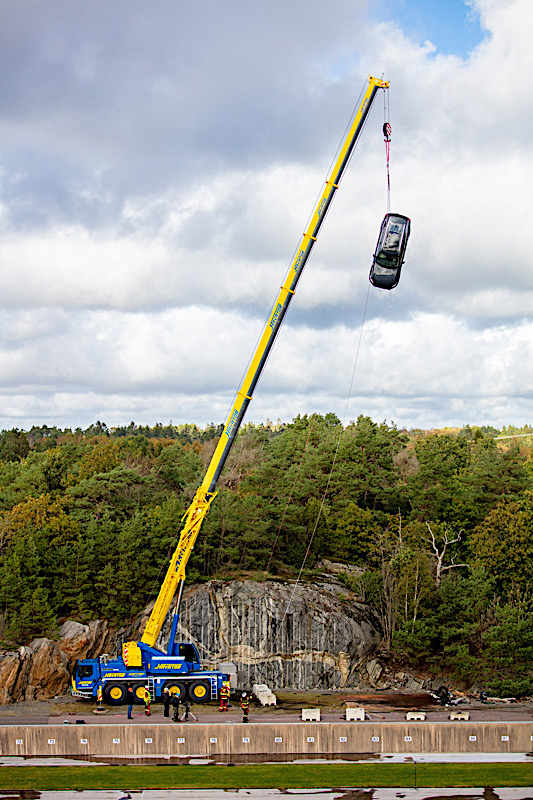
(267,698)
(459,715)
(413,716)
(353,714)
(310,715)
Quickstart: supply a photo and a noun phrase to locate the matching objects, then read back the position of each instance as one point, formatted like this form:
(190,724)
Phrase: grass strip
(266,776)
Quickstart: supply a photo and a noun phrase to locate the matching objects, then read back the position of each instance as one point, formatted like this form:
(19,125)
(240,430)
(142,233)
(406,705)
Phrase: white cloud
(153,192)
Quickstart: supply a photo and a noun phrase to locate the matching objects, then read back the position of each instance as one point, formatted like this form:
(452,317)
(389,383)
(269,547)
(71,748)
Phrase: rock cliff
(288,635)
(297,636)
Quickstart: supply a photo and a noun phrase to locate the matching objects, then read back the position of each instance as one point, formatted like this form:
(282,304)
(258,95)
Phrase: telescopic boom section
(206,492)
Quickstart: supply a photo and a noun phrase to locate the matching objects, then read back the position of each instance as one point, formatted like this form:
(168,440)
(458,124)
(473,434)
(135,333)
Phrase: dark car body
(390,251)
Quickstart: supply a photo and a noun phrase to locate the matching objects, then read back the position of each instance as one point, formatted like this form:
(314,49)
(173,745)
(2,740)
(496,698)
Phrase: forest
(440,522)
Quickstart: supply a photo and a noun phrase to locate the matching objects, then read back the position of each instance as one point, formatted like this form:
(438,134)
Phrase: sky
(159,163)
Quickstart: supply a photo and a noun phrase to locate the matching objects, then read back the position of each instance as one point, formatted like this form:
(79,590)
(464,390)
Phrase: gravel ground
(388,706)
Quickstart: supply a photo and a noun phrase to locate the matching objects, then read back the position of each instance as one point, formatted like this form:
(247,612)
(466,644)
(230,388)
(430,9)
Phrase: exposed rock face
(43,668)
(287,635)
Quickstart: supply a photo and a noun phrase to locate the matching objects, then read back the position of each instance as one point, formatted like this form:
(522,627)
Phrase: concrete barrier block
(310,715)
(415,716)
(267,698)
(353,714)
(259,687)
(455,716)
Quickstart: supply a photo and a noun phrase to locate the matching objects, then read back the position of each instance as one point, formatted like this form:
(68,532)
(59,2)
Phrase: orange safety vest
(224,692)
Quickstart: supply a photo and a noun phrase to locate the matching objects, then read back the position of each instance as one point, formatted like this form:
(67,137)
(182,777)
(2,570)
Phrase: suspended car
(390,251)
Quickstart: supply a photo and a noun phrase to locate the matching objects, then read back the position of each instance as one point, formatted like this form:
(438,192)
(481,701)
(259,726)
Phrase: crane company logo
(299,260)
(321,207)
(231,423)
(167,667)
(275,315)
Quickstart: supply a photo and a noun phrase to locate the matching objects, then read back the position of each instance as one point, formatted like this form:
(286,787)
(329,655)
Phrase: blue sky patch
(451,25)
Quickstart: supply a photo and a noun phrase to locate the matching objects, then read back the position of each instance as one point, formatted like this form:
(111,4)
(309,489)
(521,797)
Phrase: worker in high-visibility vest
(245,705)
(147,699)
(224,696)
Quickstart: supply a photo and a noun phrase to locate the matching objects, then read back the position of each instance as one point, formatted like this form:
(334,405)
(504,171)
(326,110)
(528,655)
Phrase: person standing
(245,705)
(130,697)
(224,696)
(166,702)
(147,699)
(176,707)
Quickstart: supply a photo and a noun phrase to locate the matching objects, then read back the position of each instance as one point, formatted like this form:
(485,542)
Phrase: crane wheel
(138,694)
(200,691)
(176,687)
(115,694)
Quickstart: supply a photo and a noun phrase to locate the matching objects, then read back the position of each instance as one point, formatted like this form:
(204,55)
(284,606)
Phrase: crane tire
(138,693)
(200,691)
(176,687)
(115,693)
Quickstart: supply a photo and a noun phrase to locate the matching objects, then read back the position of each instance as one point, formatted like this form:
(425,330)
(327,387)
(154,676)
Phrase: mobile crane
(179,669)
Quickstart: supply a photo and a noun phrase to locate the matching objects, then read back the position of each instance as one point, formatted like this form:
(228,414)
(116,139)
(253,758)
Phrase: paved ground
(390,758)
(55,712)
(279,794)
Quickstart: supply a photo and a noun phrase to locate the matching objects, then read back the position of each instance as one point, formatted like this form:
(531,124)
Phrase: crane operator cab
(390,251)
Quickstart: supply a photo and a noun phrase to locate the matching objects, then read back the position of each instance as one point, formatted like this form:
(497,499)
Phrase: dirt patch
(398,701)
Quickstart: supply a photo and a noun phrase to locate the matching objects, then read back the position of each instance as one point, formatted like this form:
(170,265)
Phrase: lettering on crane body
(299,259)
(231,423)
(275,315)
(321,207)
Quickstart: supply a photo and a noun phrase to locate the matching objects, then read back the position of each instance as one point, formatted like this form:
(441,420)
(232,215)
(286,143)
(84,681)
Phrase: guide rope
(326,490)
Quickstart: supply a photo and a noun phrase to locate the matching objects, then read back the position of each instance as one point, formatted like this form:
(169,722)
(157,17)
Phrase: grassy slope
(302,776)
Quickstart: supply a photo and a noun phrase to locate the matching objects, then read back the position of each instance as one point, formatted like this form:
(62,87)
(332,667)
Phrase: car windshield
(380,268)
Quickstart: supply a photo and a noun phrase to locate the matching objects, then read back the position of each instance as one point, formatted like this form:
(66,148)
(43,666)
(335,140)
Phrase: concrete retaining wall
(332,739)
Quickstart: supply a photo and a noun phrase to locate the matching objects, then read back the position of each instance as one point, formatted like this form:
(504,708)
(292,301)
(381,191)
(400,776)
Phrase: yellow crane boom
(204,496)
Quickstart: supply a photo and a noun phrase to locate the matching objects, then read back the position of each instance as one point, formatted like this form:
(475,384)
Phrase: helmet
(244,694)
